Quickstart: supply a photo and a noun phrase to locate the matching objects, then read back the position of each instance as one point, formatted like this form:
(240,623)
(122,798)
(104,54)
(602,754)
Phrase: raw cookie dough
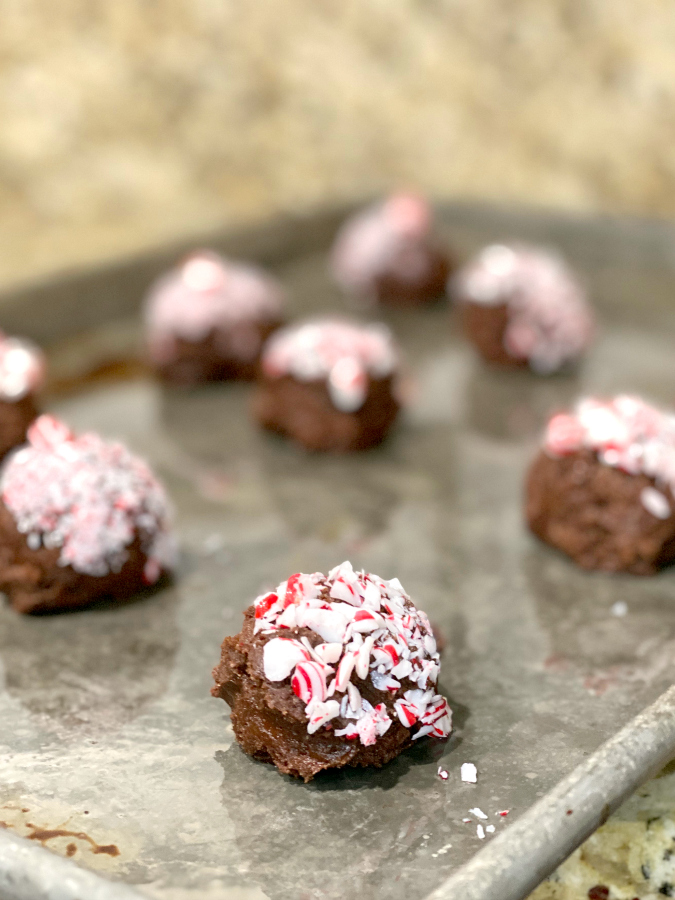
(329,384)
(208,319)
(332,671)
(523,306)
(387,254)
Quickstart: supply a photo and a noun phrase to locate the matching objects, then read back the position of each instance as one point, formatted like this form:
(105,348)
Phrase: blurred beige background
(124,124)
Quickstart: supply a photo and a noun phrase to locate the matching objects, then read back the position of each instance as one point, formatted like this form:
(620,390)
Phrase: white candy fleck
(620,608)
(490,829)
(22,368)
(478,813)
(655,503)
(468,773)
(480,831)
(280,657)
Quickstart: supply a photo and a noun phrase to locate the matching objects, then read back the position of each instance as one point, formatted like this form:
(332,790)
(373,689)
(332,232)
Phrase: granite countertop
(632,856)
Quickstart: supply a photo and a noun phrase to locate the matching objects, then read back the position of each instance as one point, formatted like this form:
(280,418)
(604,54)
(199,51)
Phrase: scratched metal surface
(107,729)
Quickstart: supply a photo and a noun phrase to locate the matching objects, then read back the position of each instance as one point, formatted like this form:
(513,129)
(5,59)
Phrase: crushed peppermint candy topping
(443,774)
(22,368)
(503,813)
(343,353)
(206,293)
(490,829)
(388,238)
(549,320)
(369,629)
(87,497)
(480,831)
(625,433)
(468,773)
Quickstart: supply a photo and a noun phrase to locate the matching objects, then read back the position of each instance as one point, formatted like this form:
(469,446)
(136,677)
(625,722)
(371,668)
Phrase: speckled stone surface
(107,730)
(632,856)
(125,124)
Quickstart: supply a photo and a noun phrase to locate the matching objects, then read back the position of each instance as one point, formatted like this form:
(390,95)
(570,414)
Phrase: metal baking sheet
(112,752)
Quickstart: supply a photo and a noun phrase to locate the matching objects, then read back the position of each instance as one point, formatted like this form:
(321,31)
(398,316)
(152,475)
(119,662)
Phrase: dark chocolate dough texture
(594,514)
(304,412)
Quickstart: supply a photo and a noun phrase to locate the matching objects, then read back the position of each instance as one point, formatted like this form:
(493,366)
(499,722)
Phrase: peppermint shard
(330,671)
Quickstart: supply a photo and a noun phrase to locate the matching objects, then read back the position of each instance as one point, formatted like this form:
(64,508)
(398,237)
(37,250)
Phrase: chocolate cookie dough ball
(22,374)
(523,306)
(80,519)
(330,671)
(329,384)
(388,254)
(208,319)
(602,488)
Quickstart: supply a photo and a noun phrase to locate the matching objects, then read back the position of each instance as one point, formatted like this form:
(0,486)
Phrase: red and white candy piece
(345,669)
(264,604)
(321,713)
(406,712)
(309,681)
(280,657)
(385,682)
(47,432)
(373,724)
(564,434)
